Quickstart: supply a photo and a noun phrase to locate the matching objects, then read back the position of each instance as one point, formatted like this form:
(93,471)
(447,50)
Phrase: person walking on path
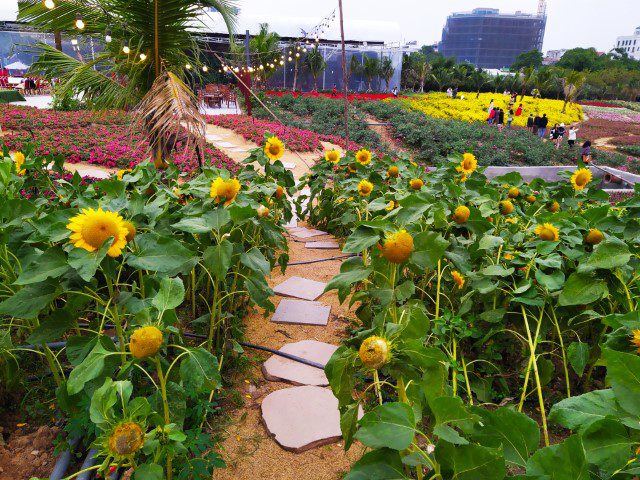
(586,152)
(509,119)
(530,123)
(536,124)
(542,128)
(573,135)
(519,110)
(492,116)
(500,118)
(561,133)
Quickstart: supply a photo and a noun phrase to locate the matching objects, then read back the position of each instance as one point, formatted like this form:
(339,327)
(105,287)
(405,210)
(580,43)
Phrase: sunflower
(636,339)
(126,439)
(393,172)
(594,237)
(416,183)
(262,211)
(397,247)
(461,214)
(279,193)
(508,256)
(458,279)
(352,167)
(92,228)
(547,232)
(145,342)
(225,189)
(581,178)
(122,172)
(513,192)
(468,164)
(365,188)
(392,205)
(506,207)
(511,220)
(18,160)
(530,198)
(274,148)
(363,156)
(131,230)
(553,207)
(374,352)
(332,156)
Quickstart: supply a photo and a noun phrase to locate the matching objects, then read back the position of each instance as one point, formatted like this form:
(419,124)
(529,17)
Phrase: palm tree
(544,80)
(294,50)
(387,70)
(316,64)
(572,83)
(264,50)
(355,68)
(478,79)
(498,83)
(371,70)
(442,77)
(420,71)
(528,75)
(145,66)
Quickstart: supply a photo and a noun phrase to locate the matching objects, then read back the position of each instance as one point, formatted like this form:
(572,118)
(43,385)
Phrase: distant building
(630,44)
(489,39)
(553,56)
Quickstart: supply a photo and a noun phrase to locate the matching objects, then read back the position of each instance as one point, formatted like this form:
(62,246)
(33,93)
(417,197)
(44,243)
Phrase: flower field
(472,109)
(13,117)
(496,329)
(612,113)
(365,97)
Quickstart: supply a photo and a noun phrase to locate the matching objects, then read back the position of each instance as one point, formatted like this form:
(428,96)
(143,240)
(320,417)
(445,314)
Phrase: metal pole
(344,79)
(247,73)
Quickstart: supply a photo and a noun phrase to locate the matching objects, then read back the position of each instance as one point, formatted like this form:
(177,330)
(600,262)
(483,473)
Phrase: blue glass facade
(488,39)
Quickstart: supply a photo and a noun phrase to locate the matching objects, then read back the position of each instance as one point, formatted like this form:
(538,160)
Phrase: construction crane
(542,8)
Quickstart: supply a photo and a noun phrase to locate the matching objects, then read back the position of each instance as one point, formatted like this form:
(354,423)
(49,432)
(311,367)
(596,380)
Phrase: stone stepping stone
(302,418)
(323,245)
(93,172)
(289,166)
(308,233)
(299,287)
(277,369)
(213,137)
(301,312)
(225,145)
(238,149)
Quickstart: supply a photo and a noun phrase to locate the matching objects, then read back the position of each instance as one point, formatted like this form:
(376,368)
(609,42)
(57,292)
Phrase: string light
(79,22)
(188,66)
(125,47)
(205,68)
(50,4)
(143,57)
(290,59)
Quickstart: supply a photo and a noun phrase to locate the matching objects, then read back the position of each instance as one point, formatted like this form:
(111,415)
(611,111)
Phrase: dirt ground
(28,453)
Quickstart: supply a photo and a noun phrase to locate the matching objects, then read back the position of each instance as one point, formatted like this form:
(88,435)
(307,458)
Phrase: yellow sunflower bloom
(397,247)
(332,156)
(468,164)
(581,178)
(365,188)
(352,168)
(636,339)
(374,352)
(145,342)
(530,198)
(131,230)
(393,172)
(508,256)
(511,220)
(262,211)
(274,148)
(392,205)
(458,279)
(18,160)
(553,207)
(279,193)
(225,190)
(594,237)
(363,156)
(416,183)
(506,207)
(513,192)
(122,172)
(461,214)
(547,232)
(126,439)
(92,228)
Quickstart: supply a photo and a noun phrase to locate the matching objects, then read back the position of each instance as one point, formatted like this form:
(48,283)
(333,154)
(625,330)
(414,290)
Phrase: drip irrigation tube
(89,462)
(306,262)
(63,461)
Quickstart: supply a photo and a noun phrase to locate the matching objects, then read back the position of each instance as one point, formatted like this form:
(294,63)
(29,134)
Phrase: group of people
(497,115)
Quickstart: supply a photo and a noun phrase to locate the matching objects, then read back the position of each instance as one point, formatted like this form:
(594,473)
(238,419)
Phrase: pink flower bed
(13,117)
(626,116)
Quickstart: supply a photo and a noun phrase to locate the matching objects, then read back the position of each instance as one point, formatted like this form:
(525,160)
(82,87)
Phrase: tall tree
(316,64)
(355,68)
(371,70)
(572,82)
(478,79)
(532,58)
(387,70)
(527,76)
(264,50)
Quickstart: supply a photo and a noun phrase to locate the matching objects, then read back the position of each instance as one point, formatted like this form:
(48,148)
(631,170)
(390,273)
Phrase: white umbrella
(16,66)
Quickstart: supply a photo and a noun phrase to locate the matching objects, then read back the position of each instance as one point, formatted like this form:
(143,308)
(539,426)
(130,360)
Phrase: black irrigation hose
(63,461)
(306,262)
(89,462)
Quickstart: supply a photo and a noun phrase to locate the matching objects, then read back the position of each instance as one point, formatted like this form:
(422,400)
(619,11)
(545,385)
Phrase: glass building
(488,39)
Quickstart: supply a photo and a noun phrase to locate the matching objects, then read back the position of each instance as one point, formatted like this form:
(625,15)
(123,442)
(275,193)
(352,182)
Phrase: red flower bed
(13,117)
(599,104)
(351,96)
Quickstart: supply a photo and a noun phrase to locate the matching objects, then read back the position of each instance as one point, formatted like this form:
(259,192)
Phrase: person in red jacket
(519,110)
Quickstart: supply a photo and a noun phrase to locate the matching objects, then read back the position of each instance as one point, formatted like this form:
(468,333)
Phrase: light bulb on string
(290,59)
(125,47)
(188,66)
(50,4)
(225,68)
(281,62)
(107,37)
(297,55)
(143,57)
(304,50)
(79,22)
(261,67)
(205,68)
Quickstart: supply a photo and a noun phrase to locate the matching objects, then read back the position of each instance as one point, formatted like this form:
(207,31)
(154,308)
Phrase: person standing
(573,135)
(542,129)
(586,152)
(536,124)
(519,110)
(530,123)
(500,118)
(561,133)
(449,92)
(509,119)
(395,91)
(554,134)
(492,116)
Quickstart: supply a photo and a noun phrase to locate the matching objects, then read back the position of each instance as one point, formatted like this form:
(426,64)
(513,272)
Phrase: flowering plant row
(474,108)
(122,271)
(616,114)
(339,96)
(13,117)
(470,292)
(600,104)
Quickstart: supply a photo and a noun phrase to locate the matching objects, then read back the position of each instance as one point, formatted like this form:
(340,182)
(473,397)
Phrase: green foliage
(532,58)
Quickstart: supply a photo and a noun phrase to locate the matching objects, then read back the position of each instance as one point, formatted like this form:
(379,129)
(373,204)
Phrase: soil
(28,453)
(387,135)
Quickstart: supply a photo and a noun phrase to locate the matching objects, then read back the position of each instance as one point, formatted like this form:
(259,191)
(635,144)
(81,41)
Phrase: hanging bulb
(143,57)
(225,68)
(297,55)
(50,4)
(261,67)
(205,68)
(79,22)
(125,47)
(281,62)
(236,69)
(188,66)
(304,50)
(290,59)
(107,37)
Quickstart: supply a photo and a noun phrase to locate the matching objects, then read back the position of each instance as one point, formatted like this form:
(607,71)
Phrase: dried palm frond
(169,116)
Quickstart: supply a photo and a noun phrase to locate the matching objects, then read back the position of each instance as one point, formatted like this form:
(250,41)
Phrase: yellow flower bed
(473,109)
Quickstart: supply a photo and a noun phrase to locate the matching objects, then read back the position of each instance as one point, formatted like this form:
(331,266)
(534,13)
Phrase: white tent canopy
(16,66)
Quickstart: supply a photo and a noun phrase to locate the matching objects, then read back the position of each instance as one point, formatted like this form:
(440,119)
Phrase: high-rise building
(490,39)
(630,44)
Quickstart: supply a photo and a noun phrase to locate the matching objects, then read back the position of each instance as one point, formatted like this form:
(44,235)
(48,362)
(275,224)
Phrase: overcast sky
(571,23)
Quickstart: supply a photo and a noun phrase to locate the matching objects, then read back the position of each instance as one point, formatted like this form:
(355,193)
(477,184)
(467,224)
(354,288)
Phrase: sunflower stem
(165,407)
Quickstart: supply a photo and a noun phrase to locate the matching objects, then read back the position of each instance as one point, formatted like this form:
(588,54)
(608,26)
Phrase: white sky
(577,23)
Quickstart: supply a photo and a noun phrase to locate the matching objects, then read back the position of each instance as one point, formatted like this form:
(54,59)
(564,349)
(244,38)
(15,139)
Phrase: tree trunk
(295,77)
(478,94)
(564,107)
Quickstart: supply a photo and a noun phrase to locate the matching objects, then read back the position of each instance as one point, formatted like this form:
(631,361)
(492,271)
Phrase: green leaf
(86,263)
(162,254)
(340,373)
(565,461)
(170,295)
(497,271)
(51,264)
(27,302)
(391,425)
(218,218)
(577,413)
(582,289)
(345,279)
(607,444)
(490,242)
(611,253)
(102,402)
(361,239)
(217,259)
(419,355)
(196,225)
(552,282)
(256,261)
(578,354)
(452,411)
(200,371)
(518,434)
(381,464)
(148,471)
(470,462)
(428,248)
(52,328)
(349,423)
(90,368)
(623,374)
